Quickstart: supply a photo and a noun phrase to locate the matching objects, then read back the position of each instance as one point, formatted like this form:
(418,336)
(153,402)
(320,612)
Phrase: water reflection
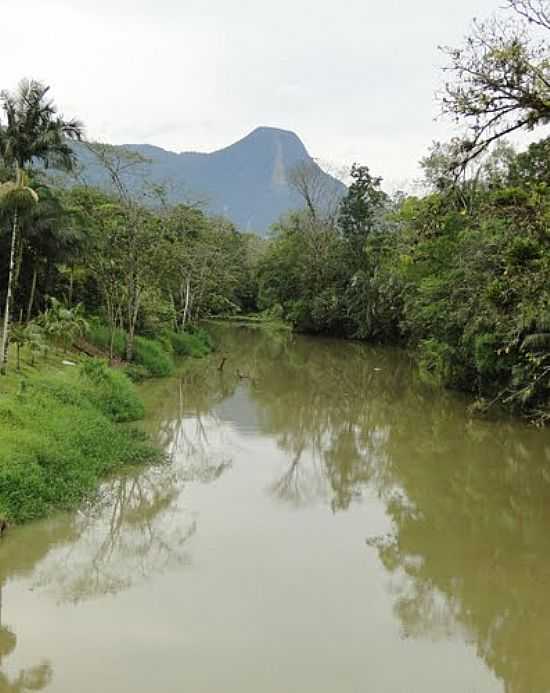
(469,555)
(471,546)
(32,679)
(136,529)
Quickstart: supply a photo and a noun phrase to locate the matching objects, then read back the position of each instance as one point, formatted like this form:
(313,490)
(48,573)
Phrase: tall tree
(16,197)
(136,233)
(30,130)
(361,207)
(320,193)
(500,78)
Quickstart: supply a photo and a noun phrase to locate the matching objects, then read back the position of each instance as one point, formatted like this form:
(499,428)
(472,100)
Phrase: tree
(32,131)
(54,235)
(16,197)
(62,323)
(500,78)
(361,207)
(489,170)
(533,165)
(136,237)
(319,192)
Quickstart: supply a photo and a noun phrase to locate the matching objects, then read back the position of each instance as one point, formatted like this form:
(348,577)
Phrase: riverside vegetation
(458,274)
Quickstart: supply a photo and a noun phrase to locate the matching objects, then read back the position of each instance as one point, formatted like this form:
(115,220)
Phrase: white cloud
(354,79)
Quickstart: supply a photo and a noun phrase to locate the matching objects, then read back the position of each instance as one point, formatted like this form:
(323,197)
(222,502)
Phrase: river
(327,523)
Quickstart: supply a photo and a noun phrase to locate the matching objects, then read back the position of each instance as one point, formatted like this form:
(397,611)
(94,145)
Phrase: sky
(355,79)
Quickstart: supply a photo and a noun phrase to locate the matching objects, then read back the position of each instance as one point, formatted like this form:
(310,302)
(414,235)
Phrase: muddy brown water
(327,524)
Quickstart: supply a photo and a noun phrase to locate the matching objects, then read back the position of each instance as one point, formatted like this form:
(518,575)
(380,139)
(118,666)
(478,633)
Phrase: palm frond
(34,130)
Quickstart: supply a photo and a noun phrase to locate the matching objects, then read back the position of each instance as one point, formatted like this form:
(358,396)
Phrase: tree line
(460,274)
(128,258)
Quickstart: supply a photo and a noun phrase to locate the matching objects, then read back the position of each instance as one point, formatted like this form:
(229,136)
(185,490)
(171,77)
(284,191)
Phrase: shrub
(196,344)
(111,391)
(58,438)
(150,356)
(99,335)
(137,374)
(153,357)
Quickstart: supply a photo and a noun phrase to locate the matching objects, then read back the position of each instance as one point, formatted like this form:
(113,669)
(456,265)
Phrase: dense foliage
(122,254)
(462,275)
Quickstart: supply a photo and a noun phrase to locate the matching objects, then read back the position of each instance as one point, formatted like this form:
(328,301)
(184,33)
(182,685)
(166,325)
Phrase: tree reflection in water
(32,679)
(469,555)
(136,529)
(470,549)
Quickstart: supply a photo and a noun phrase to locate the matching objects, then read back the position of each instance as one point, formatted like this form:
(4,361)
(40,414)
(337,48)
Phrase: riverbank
(61,421)
(252,319)
(487,399)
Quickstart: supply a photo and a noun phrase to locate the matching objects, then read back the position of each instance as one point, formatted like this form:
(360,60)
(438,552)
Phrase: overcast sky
(354,79)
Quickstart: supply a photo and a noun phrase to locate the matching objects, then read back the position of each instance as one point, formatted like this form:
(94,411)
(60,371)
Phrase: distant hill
(247,181)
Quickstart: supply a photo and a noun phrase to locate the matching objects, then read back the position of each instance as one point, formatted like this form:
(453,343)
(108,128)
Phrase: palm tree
(32,131)
(63,323)
(30,335)
(54,234)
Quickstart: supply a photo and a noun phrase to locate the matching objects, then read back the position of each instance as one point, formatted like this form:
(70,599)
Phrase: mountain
(246,182)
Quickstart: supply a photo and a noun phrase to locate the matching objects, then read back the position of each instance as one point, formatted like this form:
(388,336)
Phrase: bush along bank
(60,435)
(153,357)
(60,431)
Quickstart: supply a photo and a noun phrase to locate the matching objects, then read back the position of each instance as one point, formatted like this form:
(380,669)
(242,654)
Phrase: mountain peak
(268,131)
(247,181)
(269,142)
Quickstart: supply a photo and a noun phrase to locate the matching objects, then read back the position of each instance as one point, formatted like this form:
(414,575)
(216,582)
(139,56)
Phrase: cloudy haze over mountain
(355,79)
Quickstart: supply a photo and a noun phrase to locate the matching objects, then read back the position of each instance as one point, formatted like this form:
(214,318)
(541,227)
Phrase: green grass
(59,423)
(111,391)
(99,335)
(195,344)
(59,437)
(149,354)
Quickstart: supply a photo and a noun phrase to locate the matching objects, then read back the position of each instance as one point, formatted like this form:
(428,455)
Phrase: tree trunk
(33,291)
(18,263)
(133,313)
(186,306)
(71,287)
(7,309)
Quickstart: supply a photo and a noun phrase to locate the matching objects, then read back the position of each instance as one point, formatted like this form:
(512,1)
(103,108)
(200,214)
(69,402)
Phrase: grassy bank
(60,434)
(60,421)
(152,357)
